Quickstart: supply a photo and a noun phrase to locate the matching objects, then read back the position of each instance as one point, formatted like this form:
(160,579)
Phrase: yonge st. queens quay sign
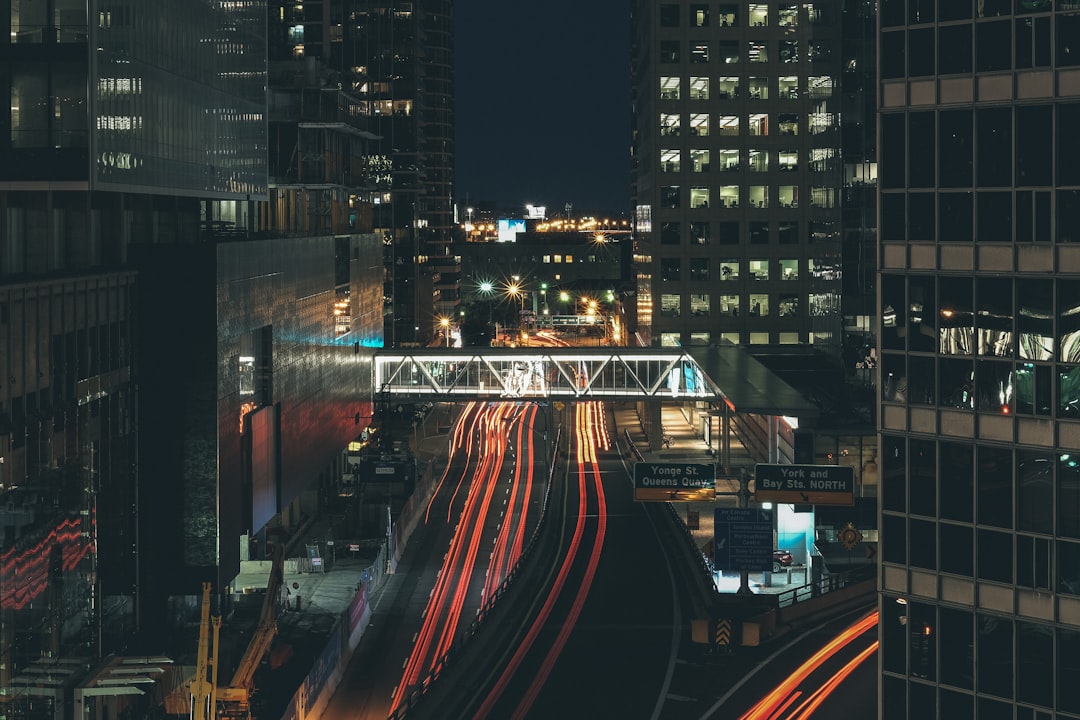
(674,481)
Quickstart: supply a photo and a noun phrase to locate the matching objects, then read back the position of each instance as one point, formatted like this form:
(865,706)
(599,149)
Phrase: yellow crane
(233,700)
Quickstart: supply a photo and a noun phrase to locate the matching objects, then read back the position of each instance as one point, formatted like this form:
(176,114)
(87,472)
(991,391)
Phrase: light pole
(516,290)
(444,323)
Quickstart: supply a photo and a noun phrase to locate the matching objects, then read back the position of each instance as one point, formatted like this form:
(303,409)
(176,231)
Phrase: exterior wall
(208,480)
(67,477)
(979,290)
(738,173)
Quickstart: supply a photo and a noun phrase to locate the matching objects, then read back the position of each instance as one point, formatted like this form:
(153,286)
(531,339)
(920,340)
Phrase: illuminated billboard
(508,229)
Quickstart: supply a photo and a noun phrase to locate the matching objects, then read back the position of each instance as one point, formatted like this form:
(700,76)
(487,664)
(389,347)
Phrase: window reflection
(956,320)
(995,320)
(1069,321)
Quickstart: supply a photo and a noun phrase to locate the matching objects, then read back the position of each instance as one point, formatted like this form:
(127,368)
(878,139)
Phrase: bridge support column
(725,437)
(654,424)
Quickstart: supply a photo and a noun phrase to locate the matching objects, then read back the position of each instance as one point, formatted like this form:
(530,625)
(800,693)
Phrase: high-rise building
(398,60)
(979,105)
(178,345)
(737,173)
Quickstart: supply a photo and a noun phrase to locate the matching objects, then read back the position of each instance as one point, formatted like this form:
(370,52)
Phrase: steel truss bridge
(725,376)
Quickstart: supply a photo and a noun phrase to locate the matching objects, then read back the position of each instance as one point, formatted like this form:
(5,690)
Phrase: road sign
(850,536)
(805,484)
(674,482)
(742,539)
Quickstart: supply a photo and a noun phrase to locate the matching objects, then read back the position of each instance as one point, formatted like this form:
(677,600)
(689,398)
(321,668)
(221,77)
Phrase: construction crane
(233,701)
(202,686)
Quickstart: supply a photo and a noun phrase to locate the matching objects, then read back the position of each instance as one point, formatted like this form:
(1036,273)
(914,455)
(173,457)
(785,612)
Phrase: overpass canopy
(722,374)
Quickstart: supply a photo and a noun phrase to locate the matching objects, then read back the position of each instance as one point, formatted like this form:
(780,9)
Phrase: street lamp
(444,322)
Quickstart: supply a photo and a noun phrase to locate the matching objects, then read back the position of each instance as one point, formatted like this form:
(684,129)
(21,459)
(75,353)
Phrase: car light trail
(588,478)
(786,693)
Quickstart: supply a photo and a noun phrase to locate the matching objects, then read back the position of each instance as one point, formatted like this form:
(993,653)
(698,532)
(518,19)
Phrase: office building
(979,103)
(737,173)
(155,311)
(398,64)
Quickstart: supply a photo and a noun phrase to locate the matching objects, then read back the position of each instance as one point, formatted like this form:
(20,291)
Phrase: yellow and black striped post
(723,633)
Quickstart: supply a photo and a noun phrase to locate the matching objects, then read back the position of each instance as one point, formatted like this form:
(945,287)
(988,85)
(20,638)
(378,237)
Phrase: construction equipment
(210,702)
(234,700)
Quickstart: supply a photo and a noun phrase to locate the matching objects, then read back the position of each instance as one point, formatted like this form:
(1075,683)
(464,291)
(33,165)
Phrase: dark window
(995,216)
(957,642)
(1068,143)
(894,695)
(922,484)
(992,48)
(921,11)
(921,216)
(669,15)
(957,549)
(1033,562)
(955,224)
(670,197)
(893,217)
(892,54)
(727,233)
(893,152)
(669,233)
(954,49)
(1068,215)
(994,656)
(669,51)
(787,233)
(921,52)
(1068,668)
(1068,39)
(921,153)
(1032,42)
(957,482)
(955,148)
(1068,487)
(994,146)
(891,12)
(759,233)
(1068,571)
(894,539)
(699,268)
(995,557)
(921,388)
(954,10)
(994,486)
(1034,145)
(955,704)
(670,269)
(1030,6)
(924,545)
(893,631)
(1034,661)
(894,484)
(994,8)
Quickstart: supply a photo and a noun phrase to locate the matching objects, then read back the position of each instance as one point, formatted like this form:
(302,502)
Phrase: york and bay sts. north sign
(805,484)
(674,482)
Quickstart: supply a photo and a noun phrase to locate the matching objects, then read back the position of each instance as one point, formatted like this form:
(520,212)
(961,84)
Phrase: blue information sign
(742,539)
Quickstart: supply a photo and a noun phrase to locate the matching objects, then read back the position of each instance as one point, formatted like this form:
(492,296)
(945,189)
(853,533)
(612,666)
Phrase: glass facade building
(979,295)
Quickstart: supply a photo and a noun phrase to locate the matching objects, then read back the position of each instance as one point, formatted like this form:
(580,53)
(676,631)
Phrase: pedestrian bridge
(726,375)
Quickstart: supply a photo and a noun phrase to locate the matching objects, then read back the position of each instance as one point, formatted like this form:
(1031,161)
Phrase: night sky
(542,104)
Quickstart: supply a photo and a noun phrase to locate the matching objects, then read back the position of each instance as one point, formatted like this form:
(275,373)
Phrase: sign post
(805,484)
(674,482)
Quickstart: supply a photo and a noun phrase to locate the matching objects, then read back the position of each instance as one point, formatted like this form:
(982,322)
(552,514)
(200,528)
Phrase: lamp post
(514,289)
(444,323)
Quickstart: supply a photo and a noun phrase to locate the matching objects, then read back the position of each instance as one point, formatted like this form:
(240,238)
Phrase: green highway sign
(805,484)
(656,481)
